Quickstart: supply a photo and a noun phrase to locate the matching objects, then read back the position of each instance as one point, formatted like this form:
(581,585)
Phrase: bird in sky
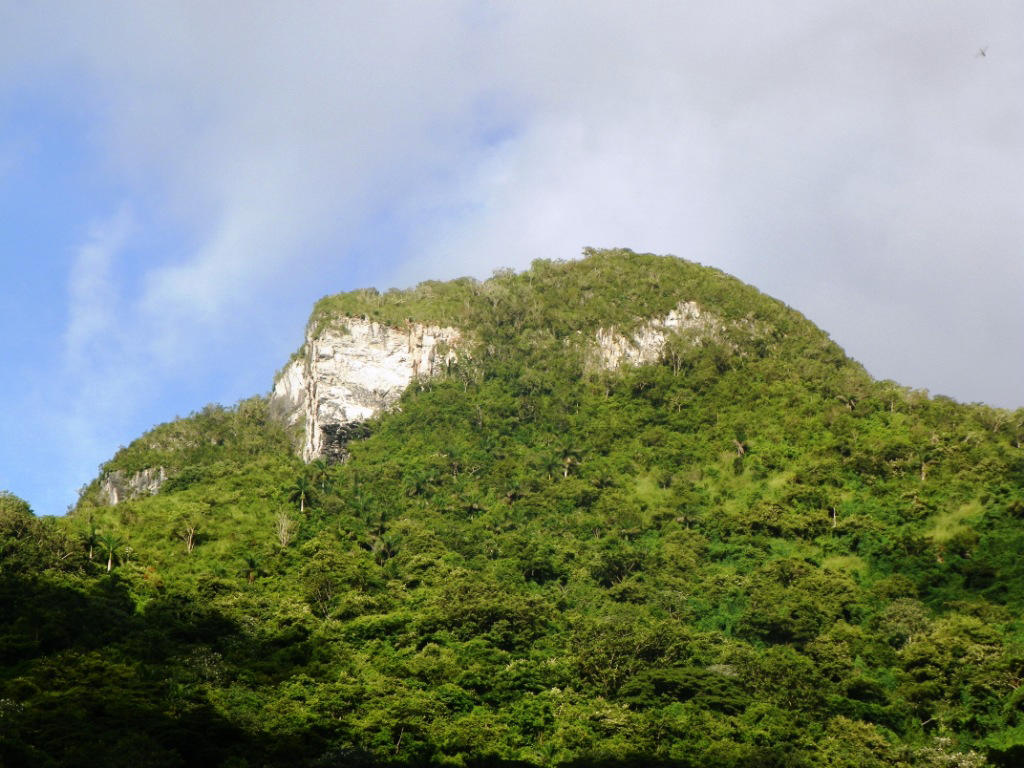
(981,52)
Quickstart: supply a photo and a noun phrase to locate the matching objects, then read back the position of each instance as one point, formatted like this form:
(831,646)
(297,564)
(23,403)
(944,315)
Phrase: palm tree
(417,480)
(90,538)
(251,568)
(320,472)
(111,542)
(549,464)
(361,505)
(383,548)
(300,491)
(569,456)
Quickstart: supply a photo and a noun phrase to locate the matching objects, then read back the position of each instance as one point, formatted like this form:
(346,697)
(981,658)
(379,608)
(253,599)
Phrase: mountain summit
(363,349)
(624,510)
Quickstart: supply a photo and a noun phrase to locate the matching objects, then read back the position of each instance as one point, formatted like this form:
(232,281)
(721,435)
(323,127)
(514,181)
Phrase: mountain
(624,510)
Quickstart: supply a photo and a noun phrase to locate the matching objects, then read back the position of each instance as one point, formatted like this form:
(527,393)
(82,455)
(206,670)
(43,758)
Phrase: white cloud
(755,137)
(93,322)
(859,162)
(266,131)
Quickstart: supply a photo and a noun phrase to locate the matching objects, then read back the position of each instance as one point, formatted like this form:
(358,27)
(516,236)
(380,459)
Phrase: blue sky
(180,181)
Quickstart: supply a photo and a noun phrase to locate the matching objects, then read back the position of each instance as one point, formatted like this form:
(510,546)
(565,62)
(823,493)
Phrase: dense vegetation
(750,554)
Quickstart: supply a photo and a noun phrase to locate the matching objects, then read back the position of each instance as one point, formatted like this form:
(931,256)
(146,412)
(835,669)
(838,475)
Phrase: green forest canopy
(749,554)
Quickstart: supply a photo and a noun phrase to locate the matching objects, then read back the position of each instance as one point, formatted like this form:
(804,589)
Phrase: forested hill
(743,552)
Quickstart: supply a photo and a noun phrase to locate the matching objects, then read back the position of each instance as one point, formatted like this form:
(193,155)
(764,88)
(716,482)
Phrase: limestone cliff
(118,486)
(646,344)
(351,371)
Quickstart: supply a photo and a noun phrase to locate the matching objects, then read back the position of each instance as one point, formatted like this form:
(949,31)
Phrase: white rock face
(117,486)
(352,372)
(645,345)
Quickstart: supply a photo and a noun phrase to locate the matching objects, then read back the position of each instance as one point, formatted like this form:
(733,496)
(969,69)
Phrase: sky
(179,182)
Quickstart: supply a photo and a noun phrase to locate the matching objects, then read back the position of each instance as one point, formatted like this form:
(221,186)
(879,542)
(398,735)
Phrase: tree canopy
(749,553)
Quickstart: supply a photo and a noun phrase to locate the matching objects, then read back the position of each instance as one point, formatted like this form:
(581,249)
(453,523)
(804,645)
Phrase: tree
(569,456)
(320,474)
(300,491)
(188,532)
(550,464)
(16,517)
(90,538)
(384,548)
(21,535)
(111,542)
(285,528)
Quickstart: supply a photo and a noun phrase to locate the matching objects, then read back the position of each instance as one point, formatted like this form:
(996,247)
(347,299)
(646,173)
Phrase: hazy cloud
(860,162)
(93,320)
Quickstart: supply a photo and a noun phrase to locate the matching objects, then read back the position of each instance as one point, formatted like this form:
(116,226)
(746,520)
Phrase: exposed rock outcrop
(118,486)
(350,372)
(646,345)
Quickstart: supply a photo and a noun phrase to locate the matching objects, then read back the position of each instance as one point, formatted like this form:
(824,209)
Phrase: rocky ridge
(646,345)
(351,371)
(118,486)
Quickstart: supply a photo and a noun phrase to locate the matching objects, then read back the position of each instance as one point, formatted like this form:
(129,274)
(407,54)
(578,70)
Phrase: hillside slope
(740,551)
